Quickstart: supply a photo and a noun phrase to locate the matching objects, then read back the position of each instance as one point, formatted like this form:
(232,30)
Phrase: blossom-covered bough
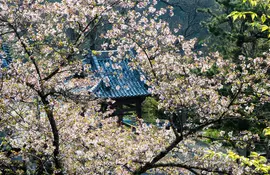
(41,110)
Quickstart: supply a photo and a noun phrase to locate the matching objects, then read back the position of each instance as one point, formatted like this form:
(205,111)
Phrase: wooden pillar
(103,107)
(120,115)
(139,108)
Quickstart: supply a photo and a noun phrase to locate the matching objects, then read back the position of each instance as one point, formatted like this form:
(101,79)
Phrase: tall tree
(233,37)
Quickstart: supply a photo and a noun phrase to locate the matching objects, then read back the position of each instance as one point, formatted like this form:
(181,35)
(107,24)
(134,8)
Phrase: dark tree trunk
(55,132)
(158,157)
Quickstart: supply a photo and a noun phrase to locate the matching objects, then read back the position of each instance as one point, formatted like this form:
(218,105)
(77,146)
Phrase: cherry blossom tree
(40,101)
(52,124)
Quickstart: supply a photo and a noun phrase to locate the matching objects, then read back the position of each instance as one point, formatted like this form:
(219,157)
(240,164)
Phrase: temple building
(118,81)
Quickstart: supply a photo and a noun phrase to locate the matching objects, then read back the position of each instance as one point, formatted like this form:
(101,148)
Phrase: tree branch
(152,164)
(53,73)
(28,53)
(193,130)
(173,5)
(4,33)
(162,154)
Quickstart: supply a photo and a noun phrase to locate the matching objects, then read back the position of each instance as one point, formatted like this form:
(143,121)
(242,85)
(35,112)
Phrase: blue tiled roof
(4,61)
(7,52)
(7,58)
(117,78)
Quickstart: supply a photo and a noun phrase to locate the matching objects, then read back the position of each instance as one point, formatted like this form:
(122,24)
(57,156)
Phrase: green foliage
(238,28)
(150,110)
(213,133)
(255,160)
(266,131)
(259,14)
(210,135)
